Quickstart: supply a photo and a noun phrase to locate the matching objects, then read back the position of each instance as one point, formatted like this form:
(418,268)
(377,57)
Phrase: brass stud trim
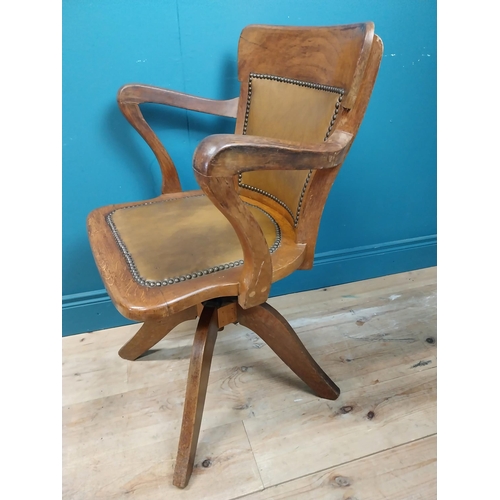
(317,86)
(195,274)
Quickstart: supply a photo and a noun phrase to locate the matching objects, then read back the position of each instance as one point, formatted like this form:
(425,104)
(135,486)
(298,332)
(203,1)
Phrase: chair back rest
(297,84)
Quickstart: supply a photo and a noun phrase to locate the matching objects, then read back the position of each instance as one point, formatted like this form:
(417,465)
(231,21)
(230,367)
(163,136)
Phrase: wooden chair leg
(199,371)
(275,330)
(151,332)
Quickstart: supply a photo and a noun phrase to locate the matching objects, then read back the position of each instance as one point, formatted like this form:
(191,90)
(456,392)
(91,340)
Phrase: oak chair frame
(238,295)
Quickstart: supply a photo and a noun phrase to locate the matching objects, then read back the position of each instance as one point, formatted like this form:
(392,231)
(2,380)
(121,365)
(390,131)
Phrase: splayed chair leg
(275,330)
(199,370)
(151,332)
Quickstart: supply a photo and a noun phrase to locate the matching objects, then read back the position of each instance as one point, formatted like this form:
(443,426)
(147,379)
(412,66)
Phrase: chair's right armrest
(225,155)
(219,158)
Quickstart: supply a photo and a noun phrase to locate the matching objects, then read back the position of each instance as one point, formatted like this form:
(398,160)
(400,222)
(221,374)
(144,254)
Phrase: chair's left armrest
(132,95)
(218,158)
(138,93)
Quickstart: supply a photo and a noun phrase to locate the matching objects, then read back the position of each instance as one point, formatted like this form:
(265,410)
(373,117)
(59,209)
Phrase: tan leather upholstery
(287,110)
(175,239)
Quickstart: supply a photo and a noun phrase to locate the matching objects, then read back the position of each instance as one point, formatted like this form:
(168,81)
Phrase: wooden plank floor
(264,435)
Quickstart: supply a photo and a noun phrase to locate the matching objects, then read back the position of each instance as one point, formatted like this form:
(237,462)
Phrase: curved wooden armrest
(137,93)
(218,158)
(226,155)
(130,96)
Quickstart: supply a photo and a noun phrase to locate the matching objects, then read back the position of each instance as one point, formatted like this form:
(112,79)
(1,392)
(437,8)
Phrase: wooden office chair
(214,253)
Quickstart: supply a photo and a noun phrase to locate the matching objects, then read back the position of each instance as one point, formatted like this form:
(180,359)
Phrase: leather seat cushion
(173,240)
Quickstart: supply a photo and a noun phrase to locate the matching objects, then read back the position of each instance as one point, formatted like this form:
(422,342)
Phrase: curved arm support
(257,267)
(170,179)
(130,96)
(219,158)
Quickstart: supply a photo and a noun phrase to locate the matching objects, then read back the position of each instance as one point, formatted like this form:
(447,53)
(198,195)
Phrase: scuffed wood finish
(227,314)
(130,96)
(226,155)
(199,371)
(361,65)
(277,333)
(322,181)
(140,93)
(257,272)
(329,55)
(350,120)
(170,178)
(151,332)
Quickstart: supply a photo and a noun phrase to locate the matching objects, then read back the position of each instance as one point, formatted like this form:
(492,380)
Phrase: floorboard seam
(337,465)
(254,459)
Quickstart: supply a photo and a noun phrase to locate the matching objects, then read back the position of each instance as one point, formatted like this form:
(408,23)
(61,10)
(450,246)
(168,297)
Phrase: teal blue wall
(381,215)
